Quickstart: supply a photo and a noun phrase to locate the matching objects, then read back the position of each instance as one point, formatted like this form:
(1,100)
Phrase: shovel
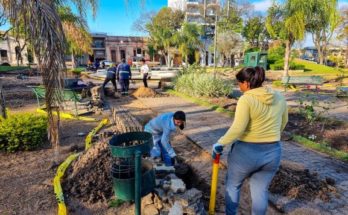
(214,181)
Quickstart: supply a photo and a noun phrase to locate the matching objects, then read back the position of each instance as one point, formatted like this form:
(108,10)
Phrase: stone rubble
(171,197)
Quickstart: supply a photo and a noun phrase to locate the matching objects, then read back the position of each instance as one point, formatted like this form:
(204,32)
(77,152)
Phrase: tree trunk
(73,62)
(346,62)
(2,103)
(287,58)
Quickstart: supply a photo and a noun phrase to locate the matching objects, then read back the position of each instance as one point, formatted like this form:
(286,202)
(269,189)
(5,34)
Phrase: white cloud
(262,5)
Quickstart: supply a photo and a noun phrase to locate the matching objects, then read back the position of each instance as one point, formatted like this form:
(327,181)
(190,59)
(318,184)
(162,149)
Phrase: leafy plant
(312,111)
(22,132)
(202,84)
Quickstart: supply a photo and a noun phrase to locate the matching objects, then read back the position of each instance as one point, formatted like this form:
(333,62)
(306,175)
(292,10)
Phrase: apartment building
(201,12)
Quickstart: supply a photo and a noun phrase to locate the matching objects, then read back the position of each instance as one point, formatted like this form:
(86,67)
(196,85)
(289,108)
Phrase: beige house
(8,53)
(115,48)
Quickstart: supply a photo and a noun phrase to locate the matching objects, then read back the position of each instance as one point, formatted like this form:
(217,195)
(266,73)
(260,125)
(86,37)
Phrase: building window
(138,50)
(3,55)
(134,53)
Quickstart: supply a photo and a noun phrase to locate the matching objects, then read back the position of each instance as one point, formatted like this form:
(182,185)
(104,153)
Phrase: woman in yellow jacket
(260,117)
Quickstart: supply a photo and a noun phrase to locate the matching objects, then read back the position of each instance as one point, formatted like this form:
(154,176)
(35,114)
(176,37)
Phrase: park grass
(201,102)
(12,68)
(321,147)
(77,70)
(312,68)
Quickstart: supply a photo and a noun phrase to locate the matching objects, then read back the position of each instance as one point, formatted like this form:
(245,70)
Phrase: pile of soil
(89,178)
(296,182)
(145,92)
(330,131)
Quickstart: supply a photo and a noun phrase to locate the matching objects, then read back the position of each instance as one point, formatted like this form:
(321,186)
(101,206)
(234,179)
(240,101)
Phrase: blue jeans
(124,86)
(168,161)
(260,162)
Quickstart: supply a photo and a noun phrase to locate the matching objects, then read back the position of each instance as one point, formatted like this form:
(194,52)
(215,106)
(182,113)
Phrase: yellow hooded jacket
(261,115)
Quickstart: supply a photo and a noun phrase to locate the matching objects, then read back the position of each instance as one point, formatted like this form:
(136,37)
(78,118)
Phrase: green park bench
(342,91)
(69,95)
(302,80)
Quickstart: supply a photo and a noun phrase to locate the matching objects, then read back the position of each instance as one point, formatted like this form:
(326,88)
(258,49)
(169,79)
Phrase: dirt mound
(89,177)
(295,182)
(144,92)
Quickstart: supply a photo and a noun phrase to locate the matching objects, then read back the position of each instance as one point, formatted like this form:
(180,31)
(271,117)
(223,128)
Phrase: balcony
(193,2)
(211,13)
(213,3)
(193,13)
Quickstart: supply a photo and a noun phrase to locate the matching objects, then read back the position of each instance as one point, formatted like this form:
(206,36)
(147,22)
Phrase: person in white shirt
(161,128)
(144,69)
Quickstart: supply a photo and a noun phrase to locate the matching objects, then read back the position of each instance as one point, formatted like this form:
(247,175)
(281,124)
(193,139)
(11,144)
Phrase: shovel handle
(214,181)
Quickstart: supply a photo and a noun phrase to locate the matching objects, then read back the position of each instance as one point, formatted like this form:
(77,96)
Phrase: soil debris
(89,177)
(145,92)
(296,182)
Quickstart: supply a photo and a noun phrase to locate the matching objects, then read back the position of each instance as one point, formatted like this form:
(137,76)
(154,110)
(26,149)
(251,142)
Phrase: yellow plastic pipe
(214,181)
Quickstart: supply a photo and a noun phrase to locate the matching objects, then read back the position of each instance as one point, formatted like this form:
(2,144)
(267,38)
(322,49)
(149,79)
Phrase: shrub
(22,132)
(204,84)
(277,83)
(279,65)
(275,54)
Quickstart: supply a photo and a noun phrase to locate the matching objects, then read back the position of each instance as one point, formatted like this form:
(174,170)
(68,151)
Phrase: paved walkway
(205,127)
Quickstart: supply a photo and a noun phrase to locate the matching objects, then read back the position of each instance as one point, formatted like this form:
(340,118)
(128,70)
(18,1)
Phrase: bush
(275,54)
(277,83)
(279,65)
(204,84)
(22,132)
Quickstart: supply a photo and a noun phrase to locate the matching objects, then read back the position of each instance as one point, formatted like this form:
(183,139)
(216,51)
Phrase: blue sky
(115,17)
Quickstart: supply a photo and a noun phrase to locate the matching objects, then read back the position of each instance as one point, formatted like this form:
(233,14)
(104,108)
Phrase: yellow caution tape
(56,183)
(62,210)
(68,116)
(88,141)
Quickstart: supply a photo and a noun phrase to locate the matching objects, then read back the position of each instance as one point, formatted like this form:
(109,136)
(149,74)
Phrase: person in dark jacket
(123,75)
(110,76)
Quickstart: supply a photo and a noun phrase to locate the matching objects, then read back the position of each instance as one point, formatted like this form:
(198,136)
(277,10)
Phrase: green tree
(43,27)
(343,32)
(188,40)
(230,20)
(163,28)
(229,44)
(256,33)
(287,23)
(322,20)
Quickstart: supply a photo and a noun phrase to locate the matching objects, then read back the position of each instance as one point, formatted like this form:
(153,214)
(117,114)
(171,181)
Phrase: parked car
(107,63)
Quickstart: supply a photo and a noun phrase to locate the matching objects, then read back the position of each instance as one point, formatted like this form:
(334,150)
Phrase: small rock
(177,185)
(330,181)
(150,210)
(158,203)
(172,176)
(176,209)
(147,200)
(161,194)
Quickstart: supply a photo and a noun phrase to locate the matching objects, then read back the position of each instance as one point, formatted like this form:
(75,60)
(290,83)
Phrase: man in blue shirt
(110,76)
(123,76)
(161,128)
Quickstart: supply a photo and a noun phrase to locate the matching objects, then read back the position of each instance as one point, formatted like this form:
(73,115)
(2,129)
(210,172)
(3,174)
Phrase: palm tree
(44,29)
(287,23)
(75,28)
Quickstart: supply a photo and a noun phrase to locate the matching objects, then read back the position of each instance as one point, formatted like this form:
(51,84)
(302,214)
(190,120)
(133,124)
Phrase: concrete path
(205,127)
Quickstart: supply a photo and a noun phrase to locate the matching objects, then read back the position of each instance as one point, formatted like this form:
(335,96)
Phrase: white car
(107,63)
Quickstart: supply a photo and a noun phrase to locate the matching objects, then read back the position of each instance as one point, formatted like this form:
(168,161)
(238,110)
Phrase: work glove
(217,149)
